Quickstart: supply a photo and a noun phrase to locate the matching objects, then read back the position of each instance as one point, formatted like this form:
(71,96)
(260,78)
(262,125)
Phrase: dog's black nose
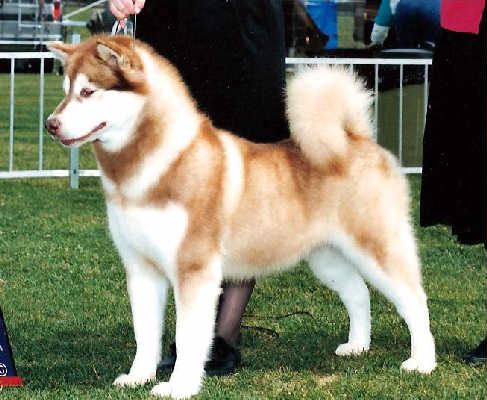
(53,125)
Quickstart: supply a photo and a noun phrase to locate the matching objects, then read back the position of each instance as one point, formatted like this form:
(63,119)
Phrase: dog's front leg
(147,290)
(196,295)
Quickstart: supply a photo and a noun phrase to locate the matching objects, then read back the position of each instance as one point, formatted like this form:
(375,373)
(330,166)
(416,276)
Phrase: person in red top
(462,16)
(453,190)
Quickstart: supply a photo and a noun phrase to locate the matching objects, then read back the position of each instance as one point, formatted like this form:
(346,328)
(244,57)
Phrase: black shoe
(169,362)
(477,355)
(224,358)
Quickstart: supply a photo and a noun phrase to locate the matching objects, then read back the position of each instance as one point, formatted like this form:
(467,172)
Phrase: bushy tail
(327,107)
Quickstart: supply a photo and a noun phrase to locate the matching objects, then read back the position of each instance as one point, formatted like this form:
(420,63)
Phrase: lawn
(65,304)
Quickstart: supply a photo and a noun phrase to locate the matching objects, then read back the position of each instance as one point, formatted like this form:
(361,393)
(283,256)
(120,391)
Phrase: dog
(189,204)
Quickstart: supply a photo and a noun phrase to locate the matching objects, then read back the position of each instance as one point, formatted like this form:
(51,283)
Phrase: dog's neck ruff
(165,123)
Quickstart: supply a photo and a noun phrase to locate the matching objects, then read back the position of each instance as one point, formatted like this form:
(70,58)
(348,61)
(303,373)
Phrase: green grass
(65,304)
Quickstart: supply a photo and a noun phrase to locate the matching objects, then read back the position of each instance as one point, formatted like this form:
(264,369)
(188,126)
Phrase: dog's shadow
(315,352)
(93,358)
(308,350)
(77,357)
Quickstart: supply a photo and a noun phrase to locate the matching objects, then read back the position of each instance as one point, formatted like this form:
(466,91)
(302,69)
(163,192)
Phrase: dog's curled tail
(327,107)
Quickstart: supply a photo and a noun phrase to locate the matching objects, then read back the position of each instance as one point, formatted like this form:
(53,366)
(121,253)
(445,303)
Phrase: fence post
(74,153)
(11,126)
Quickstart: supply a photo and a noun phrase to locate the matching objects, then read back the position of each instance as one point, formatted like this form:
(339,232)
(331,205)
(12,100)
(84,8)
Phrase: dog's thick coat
(189,204)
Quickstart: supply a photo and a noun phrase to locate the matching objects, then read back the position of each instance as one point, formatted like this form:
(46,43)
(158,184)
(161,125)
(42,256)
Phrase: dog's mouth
(82,139)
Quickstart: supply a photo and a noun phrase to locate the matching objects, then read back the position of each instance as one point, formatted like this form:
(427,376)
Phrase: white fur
(409,302)
(142,234)
(152,232)
(108,186)
(194,331)
(148,293)
(338,274)
(66,84)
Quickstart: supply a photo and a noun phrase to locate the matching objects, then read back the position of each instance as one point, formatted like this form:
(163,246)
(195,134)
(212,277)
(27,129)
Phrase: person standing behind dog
(230,53)
(453,190)
(416,22)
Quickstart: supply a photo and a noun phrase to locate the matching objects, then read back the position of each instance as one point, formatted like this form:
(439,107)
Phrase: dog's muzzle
(53,126)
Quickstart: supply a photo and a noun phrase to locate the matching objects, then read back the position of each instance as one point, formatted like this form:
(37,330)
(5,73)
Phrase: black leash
(268,331)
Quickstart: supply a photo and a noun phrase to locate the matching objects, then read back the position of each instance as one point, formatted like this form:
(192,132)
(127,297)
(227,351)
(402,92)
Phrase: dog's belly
(148,236)
(264,250)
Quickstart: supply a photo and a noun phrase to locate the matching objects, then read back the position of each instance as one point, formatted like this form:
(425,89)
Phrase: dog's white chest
(148,233)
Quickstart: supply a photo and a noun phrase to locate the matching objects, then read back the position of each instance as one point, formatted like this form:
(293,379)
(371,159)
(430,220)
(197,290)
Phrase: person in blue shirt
(416,22)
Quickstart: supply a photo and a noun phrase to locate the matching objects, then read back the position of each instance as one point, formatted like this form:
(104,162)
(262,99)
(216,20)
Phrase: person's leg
(224,357)
(231,308)
(478,355)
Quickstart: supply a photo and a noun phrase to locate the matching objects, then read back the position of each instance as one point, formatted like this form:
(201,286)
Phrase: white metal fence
(377,63)
(74,172)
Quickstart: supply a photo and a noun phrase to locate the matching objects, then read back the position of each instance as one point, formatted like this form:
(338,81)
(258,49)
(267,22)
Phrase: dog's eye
(85,92)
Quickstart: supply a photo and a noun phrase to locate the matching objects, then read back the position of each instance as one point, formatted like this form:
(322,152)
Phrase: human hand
(379,34)
(121,9)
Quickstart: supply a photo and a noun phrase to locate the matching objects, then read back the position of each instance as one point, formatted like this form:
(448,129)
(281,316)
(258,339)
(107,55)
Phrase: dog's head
(104,89)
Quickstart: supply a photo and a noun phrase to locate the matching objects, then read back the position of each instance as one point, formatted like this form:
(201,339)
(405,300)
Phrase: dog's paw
(133,380)
(351,349)
(168,389)
(424,367)
(162,389)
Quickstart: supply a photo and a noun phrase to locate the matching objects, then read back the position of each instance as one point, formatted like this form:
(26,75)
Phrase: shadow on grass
(90,357)
(78,357)
(296,352)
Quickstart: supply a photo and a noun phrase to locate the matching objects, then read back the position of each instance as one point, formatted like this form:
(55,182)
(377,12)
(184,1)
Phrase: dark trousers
(454,178)
(230,54)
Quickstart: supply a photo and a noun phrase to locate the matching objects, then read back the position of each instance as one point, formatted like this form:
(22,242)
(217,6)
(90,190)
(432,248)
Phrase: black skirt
(230,54)
(453,188)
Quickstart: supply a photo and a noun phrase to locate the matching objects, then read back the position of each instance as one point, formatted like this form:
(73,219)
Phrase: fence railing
(73,171)
(377,63)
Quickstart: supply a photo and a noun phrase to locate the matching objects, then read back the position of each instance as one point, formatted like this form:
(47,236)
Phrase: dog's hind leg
(196,294)
(147,289)
(395,272)
(338,274)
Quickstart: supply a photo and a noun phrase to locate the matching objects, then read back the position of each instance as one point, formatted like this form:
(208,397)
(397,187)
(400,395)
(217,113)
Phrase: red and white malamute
(189,204)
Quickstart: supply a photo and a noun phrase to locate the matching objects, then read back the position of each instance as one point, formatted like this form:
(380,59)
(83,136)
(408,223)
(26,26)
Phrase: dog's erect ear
(113,57)
(61,50)
(122,57)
